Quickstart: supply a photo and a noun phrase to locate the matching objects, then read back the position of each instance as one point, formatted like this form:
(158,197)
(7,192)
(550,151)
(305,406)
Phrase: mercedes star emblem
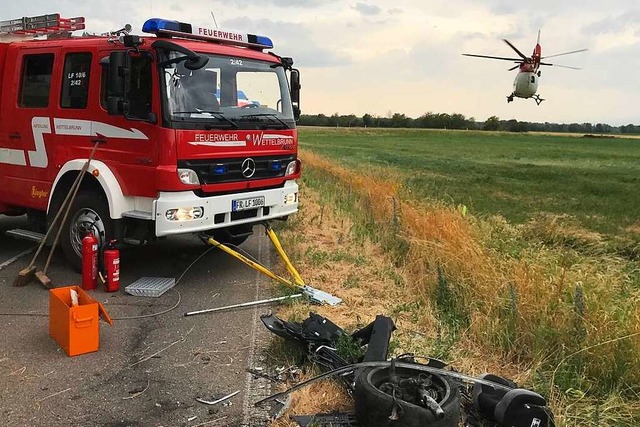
(248,168)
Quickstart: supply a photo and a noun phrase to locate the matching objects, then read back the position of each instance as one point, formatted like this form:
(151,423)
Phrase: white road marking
(15,258)
(249,396)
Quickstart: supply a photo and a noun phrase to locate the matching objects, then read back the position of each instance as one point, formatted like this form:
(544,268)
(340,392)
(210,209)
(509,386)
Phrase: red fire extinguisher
(89,262)
(112,266)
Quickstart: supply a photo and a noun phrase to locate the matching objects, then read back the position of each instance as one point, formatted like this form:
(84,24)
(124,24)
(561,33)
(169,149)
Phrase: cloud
(294,40)
(614,24)
(300,4)
(367,9)
(504,8)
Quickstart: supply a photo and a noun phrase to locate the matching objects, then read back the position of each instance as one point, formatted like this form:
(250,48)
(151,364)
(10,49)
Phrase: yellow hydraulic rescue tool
(315,295)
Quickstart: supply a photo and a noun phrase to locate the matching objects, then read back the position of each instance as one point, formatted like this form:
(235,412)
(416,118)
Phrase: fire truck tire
(89,212)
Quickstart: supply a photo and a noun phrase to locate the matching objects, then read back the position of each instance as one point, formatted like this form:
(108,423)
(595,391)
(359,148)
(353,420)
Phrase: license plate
(244,204)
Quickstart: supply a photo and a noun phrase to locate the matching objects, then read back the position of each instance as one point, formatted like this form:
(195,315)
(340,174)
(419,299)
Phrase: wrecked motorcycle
(404,393)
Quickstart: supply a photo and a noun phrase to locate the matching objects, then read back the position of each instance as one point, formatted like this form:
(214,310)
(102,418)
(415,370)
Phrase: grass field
(512,254)
(595,180)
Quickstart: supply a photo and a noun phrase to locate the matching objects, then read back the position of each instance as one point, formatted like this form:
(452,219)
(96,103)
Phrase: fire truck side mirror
(295,92)
(118,71)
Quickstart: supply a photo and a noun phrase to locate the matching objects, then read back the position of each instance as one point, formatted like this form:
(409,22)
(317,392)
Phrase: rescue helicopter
(525,84)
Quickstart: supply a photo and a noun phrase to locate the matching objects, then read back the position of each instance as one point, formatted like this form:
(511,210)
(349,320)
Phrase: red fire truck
(177,151)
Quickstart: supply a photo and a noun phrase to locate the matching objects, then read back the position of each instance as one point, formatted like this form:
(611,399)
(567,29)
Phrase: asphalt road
(147,372)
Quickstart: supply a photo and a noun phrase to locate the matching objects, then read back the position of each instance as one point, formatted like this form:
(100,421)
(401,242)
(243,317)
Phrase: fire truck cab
(176,151)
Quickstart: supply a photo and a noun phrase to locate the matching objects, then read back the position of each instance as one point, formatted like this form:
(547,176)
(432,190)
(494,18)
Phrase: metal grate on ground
(150,286)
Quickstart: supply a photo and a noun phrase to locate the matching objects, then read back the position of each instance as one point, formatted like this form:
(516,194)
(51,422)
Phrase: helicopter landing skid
(537,99)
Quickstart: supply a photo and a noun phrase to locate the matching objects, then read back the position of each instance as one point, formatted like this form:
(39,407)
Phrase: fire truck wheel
(89,213)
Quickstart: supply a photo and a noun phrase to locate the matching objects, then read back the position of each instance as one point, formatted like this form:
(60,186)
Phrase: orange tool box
(75,328)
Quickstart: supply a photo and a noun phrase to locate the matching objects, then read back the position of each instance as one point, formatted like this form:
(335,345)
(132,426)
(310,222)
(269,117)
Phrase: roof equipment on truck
(41,25)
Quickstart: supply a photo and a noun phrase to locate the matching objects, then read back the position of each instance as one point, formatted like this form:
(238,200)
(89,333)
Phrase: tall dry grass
(510,299)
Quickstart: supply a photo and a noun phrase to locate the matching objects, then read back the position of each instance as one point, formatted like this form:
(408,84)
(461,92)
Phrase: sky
(405,56)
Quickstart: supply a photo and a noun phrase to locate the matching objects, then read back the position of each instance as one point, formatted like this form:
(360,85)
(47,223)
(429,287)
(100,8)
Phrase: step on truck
(194,130)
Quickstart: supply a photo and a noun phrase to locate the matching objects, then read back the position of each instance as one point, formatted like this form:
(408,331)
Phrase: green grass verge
(517,176)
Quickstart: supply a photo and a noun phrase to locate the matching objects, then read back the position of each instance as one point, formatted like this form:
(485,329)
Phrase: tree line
(459,121)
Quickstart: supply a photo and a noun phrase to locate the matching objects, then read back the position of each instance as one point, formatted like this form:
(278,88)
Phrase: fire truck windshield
(229,92)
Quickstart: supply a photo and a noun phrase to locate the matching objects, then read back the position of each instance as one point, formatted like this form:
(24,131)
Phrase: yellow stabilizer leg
(313,294)
(283,256)
(250,263)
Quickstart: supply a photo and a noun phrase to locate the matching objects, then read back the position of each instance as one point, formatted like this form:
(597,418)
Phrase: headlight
(184,214)
(292,168)
(188,176)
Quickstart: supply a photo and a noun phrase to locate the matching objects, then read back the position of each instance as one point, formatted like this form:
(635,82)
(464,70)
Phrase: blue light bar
(168,27)
(264,41)
(156,25)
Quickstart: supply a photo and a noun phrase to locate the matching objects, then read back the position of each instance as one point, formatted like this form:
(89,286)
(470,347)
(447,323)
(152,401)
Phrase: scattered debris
(325,420)
(206,423)
(323,337)
(136,392)
(19,371)
(280,407)
(245,304)
(215,402)
(182,339)
(403,392)
(52,395)
(273,378)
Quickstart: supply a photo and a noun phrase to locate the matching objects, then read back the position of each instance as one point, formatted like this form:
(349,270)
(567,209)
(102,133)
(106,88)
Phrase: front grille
(218,171)
(201,193)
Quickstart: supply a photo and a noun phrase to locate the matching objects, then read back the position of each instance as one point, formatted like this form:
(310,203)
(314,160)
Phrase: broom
(28,273)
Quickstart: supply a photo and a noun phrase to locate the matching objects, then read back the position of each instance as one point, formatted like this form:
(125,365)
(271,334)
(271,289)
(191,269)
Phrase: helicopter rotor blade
(492,57)
(522,55)
(513,68)
(560,66)
(565,53)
